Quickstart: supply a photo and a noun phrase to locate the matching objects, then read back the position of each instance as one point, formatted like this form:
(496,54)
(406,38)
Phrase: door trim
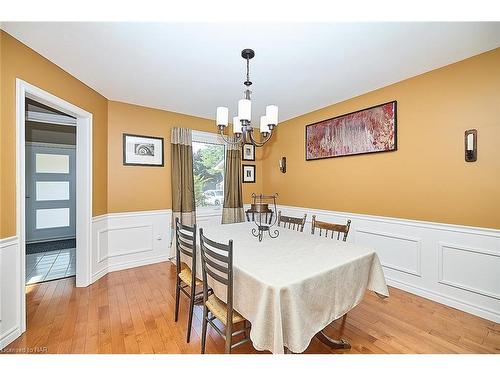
(83,188)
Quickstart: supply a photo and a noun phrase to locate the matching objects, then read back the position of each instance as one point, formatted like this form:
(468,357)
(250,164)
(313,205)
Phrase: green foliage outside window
(208,170)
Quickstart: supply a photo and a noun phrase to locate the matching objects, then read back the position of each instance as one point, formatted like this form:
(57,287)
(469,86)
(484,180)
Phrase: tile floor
(50,265)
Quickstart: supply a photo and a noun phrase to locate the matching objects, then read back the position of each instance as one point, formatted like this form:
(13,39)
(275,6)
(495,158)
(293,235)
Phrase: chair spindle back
(324,227)
(292,222)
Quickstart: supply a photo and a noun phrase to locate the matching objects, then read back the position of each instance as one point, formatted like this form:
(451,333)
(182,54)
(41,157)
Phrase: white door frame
(83,187)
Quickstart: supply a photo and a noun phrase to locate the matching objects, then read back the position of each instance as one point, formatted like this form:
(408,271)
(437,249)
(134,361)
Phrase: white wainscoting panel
(10,300)
(455,265)
(130,239)
(397,252)
(482,275)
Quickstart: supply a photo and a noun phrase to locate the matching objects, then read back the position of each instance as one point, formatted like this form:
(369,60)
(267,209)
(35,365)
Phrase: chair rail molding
(458,266)
(129,239)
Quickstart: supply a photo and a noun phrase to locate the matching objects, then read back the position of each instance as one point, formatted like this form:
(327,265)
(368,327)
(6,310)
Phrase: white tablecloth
(293,286)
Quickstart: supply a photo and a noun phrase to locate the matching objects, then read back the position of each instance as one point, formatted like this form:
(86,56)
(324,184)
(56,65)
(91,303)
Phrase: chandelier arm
(228,141)
(263,141)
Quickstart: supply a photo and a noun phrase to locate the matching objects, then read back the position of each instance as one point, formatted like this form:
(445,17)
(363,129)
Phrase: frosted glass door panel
(52,163)
(52,190)
(52,218)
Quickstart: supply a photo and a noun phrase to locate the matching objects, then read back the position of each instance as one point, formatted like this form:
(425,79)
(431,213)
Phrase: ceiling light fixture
(242,123)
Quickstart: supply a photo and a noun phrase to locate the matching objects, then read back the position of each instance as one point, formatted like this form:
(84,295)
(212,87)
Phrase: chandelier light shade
(222,116)
(236,125)
(272,115)
(245,109)
(263,124)
(242,122)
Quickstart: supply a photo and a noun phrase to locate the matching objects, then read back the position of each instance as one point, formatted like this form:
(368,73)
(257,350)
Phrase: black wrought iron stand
(263,216)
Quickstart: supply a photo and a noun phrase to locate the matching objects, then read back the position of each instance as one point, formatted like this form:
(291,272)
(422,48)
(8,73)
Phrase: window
(208,173)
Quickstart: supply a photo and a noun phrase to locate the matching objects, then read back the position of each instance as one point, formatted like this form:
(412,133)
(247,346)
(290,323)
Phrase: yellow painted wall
(19,61)
(427,177)
(134,188)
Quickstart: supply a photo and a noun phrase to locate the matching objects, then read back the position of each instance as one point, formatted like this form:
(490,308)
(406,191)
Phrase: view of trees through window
(208,174)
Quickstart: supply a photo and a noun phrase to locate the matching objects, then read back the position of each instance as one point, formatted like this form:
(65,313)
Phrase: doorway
(50,194)
(13,292)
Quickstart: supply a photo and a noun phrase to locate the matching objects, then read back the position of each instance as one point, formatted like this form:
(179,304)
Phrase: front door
(50,192)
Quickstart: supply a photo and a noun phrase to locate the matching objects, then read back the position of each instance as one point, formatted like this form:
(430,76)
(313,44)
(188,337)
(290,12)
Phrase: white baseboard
(129,239)
(10,336)
(129,264)
(455,265)
(445,300)
(10,298)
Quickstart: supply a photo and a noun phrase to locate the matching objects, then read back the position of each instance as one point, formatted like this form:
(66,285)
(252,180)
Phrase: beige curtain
(183,205)
(232,211)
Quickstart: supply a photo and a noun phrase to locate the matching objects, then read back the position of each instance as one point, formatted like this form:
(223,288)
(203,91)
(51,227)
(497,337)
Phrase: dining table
(293,286)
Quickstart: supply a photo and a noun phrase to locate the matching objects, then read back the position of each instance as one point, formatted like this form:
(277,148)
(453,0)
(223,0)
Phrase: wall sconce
(283,164)
(470,140)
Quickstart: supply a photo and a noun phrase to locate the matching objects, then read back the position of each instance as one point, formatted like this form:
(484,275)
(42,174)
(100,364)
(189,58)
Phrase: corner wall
(19,61)
(136,188)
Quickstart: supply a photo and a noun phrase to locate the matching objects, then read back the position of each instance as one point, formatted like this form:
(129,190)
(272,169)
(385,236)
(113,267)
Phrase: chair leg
(177,296)
(190,317)
(229,331)
(204,329)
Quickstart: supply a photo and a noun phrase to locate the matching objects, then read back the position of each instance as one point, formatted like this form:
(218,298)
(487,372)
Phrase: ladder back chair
(186,280)
(341,230)
(292,222)
(217,262)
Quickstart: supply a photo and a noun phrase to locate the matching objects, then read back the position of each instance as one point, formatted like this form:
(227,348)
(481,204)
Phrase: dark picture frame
(329,122)
(244,169)
(244,154)
(145,150)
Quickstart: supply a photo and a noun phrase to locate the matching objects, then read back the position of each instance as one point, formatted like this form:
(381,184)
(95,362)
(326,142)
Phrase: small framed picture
(248,173)
(142,150)
(248,152)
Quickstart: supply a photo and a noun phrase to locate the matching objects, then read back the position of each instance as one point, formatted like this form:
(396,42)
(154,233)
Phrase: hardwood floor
(131,311)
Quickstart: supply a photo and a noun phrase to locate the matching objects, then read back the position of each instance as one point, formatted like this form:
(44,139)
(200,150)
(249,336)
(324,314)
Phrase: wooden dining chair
(186,280)
(293,222)
(217,262)
(341,230)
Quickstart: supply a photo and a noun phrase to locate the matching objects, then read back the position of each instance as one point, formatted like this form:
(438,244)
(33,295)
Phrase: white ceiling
(194,67)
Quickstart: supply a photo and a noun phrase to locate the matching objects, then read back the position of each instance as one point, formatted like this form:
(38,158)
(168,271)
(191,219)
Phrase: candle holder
(470,143)
(260,209)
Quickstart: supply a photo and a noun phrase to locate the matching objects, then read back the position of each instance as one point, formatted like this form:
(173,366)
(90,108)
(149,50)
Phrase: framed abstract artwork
(248,173)
(366,131)
(142,150)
